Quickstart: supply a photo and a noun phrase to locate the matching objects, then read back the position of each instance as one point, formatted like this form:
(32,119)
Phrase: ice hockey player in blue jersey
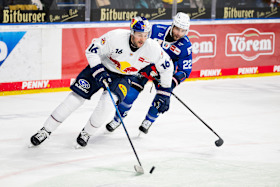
(175,42)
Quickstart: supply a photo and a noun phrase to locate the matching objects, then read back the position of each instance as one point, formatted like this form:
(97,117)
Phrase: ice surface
(244,112)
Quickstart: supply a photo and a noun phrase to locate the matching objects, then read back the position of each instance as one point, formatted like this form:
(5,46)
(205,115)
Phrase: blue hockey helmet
(140,24)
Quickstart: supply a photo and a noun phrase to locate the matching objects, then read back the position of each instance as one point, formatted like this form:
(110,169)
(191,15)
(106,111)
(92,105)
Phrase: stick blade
(219,142)
(139,169)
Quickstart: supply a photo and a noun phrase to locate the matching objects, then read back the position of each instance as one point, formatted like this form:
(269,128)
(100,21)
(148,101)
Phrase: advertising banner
(42,16)
(50,57)
(20,55)
(34,84)
(222,49)
(241,13)
(218,50)
(8,40)
(112,14)
(30,54)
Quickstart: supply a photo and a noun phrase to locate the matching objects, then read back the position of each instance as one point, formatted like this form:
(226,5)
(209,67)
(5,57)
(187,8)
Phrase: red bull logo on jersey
(250,44)
(203,45)
(103,40)
(124,67)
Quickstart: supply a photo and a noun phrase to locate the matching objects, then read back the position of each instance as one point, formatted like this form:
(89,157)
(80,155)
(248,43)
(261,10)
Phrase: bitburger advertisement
(41,16)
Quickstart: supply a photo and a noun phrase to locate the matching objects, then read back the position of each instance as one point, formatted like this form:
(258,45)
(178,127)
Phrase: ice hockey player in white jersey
(114,58)
(175,42)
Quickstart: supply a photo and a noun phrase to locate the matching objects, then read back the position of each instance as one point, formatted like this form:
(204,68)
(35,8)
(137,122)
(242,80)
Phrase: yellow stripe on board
(34,91)
(233,76)
(189,79)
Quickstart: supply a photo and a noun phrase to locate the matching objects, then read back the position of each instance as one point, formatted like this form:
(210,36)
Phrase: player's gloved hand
(100,74)
(162,100)
(149,72)
(178,77)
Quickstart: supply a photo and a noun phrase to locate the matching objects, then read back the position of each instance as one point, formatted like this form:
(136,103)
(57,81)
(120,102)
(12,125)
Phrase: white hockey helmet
(182,21)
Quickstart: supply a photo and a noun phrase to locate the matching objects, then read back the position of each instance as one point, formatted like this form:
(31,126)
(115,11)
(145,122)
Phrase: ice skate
(146,124)
(82,139)
(39,137)
(113,125)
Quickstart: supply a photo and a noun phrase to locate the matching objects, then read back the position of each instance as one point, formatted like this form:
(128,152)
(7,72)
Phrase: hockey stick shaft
(119,115)
(195,114)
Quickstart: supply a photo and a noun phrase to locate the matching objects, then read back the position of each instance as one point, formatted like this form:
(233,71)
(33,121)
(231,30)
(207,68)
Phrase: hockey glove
(162,100)
(100,74)
(178,77)
(149,72)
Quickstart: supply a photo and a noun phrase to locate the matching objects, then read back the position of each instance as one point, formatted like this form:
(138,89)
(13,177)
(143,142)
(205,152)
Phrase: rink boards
(43,56)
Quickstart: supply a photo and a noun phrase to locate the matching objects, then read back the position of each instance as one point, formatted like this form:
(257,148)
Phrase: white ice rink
(244,112)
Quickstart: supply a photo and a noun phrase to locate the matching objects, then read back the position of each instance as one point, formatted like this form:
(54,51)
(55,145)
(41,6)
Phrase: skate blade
(77,146)
(141,134)
(31,146)
(106,132)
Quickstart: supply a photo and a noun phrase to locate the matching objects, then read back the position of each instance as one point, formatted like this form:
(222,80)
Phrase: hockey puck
(151,171)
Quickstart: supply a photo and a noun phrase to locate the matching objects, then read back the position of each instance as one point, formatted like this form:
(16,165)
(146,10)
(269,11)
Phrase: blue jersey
(180,51)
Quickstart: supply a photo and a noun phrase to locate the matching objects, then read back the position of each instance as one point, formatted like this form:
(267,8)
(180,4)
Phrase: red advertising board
(234,49)
(34,84)
(218,49)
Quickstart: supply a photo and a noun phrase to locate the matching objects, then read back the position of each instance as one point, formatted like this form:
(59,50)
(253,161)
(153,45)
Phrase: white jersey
(113,51)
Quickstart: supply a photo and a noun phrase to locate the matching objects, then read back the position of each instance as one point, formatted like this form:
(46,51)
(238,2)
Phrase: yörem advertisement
(218,50)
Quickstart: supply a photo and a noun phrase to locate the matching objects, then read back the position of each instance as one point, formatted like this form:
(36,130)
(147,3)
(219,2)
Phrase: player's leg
(82,88)
(70,104)
(159,105)
(105,109)
(137,86)
(153,112)
(123,107)
(150,118)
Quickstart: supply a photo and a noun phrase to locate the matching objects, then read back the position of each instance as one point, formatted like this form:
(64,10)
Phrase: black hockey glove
(162,100)
(100,74)
(178,77)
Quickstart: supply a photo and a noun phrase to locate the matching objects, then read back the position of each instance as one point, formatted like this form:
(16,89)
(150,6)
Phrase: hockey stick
(218,142)
(139,169)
